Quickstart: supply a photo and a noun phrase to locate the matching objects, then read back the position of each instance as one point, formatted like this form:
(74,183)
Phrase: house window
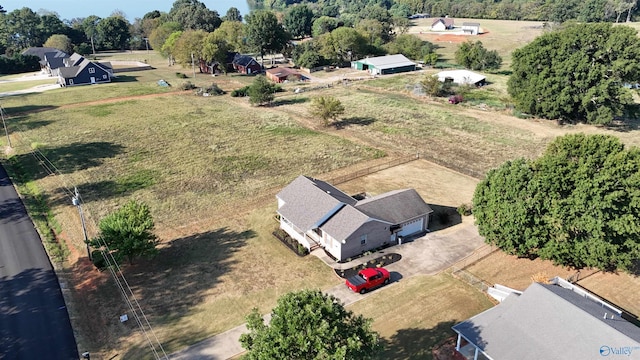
(70,81)
(92,70)
(104,76)
(363,239)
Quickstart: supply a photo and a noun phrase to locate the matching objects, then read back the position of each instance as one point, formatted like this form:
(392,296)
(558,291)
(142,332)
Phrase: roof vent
(328,192)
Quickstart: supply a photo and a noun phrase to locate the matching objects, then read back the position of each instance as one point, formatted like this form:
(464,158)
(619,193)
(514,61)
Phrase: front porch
(469,350)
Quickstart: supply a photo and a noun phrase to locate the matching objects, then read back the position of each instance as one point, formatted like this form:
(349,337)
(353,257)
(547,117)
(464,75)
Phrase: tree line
(548,10)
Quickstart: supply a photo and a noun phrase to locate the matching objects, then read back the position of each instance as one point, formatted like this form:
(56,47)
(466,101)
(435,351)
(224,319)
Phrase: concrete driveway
(427,255)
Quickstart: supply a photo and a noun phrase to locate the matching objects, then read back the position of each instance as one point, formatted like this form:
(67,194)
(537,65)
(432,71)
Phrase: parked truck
(368,279)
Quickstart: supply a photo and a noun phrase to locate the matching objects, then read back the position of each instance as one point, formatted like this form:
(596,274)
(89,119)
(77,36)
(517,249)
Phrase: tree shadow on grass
(354,120)
(124,78)
(67,159)
(22,125)
(293,101)
(27,109)
(415,343)
(443,217)
(124,185)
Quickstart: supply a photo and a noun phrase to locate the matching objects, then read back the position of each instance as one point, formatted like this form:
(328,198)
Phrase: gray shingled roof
(548,322)
(308,202)
(55,59)
(388,62)
(344,223)
(396,206)
(39,51)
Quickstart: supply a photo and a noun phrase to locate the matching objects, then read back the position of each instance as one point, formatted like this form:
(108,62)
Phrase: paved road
(34,323)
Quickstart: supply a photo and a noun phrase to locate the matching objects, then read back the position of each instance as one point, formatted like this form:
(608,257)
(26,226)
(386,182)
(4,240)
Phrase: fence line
(373,169)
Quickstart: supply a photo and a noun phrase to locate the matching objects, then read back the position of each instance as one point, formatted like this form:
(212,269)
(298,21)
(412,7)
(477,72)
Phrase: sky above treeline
(69,9)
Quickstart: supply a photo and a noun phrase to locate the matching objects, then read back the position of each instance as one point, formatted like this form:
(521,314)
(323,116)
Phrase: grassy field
(22,85)
(209,169)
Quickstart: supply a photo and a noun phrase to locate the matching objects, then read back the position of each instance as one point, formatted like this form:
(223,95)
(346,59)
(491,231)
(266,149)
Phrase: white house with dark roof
(317,214)
(556,321)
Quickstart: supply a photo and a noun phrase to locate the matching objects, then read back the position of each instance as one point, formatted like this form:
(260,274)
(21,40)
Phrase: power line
(118,276)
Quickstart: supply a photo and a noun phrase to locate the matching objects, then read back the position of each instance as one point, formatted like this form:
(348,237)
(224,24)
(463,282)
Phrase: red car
(368,279)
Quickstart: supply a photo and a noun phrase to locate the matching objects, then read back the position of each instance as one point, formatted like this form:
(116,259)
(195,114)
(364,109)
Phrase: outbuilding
(461,77)
(382,65)
(282,74)
(471,28)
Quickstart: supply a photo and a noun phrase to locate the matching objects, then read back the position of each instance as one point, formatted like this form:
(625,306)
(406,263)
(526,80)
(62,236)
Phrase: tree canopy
(474,56)
(127,232)
(309,324)
(298,21)
(327,108)
(578,204)
(264,33)
(577,74)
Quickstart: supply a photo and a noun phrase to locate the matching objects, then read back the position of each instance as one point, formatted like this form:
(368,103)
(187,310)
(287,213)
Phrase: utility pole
(5,126)
(77,202)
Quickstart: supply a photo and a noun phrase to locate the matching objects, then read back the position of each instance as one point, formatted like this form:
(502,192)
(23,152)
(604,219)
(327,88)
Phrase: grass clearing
(23,85)
(418,313)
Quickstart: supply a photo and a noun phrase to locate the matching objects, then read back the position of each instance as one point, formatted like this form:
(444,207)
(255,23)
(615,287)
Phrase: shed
(245,64)
(442,24)
(282,74)
(382,65)
(461,77)
(471,28)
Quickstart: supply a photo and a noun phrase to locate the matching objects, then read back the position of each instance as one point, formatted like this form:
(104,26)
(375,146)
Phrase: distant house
(462,77)
(215,67)
(80,71)
(549,321)
(317,214)
(442,24)
(471,28)
(418,16)
(50,58)
(282,74)
(245,64)
(381,65)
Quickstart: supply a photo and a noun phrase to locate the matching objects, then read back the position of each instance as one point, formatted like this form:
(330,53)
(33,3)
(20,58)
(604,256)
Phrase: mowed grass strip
(417,313)
(22,85)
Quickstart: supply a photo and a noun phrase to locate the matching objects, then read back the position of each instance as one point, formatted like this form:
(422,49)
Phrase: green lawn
(22,85)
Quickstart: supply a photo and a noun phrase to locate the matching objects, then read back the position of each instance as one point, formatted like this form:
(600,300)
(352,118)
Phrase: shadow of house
(414,343)
(444,216)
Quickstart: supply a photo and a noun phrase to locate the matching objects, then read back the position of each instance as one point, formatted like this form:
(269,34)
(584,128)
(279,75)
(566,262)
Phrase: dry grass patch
(415,314)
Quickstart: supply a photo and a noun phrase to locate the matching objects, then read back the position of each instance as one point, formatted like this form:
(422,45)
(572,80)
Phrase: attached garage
(412,227)
(382,65)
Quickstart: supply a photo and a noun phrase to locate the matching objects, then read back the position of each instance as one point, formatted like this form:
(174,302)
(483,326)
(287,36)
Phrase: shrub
(242,92)
(181,75)
(465,209)
(214,90)
(302,250)
(187,86)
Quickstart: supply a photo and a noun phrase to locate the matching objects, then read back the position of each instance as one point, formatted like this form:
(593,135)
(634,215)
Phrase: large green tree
(577,205)
(60,42)
(577,74)
(475,56)
(342,45)
(261,91)
(113,33)
(264,34)
(327,108)
(194,15)
(298,21)
(126,233)
(309,324)
(90,28)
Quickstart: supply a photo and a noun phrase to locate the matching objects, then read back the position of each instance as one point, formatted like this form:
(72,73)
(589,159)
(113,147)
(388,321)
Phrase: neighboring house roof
(282,72)
(448,22)
(471,24)
(39,51)
(388,62)
(55,59)
(395,206)
(544,319)
(73,60)
(311,203)
(243,60)
(461,76)
(308,201)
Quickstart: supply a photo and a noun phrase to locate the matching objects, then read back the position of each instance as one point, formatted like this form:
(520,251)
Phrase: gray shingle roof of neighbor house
(74,60)
(243,60)
(55,59)
(389,61)
(395,206)
(308,201)
(448,22)
(470,24)
(39,51)
(548,322)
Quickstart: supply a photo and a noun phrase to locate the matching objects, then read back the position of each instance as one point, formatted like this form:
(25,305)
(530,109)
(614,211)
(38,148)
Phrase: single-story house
(554,321)
(282,74)
(471,28)
(442,24)
(85,73)
(215,67)
(245,64)
(462,77)
(317,214)
(381,65)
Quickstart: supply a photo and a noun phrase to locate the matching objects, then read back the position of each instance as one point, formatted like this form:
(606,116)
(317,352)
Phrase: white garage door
(412,227)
